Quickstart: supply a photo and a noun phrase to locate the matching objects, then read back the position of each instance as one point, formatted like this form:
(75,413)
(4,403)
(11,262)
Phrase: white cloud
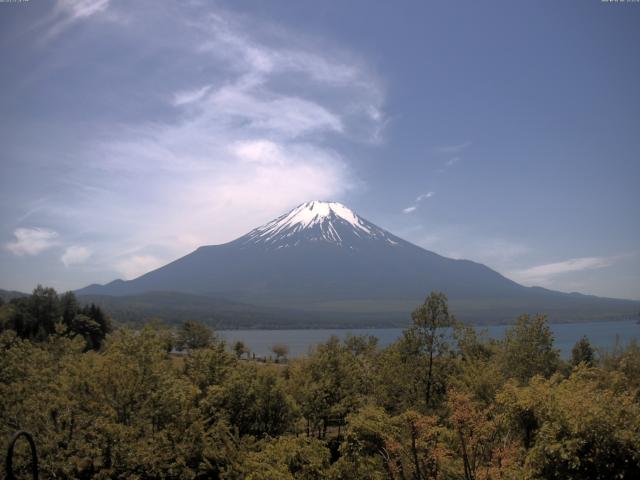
(75,254)
(82,8)
(542,274)
(66,13)
(32,241)
(243,147)
(452,149)
(260,151)
(424,196)
(282,114)
(248,122)
(352,97)
(189,96)
(419,198)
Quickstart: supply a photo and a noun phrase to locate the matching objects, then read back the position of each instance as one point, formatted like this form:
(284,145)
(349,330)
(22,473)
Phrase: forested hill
(426,407)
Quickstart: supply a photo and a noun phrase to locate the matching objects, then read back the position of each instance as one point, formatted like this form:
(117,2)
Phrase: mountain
(322,261)
(8,295)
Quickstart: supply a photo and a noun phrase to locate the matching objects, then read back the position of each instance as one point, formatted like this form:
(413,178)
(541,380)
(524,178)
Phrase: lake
(601,334)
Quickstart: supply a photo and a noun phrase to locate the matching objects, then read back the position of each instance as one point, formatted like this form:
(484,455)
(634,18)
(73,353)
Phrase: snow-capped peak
(315,212)
(316,221)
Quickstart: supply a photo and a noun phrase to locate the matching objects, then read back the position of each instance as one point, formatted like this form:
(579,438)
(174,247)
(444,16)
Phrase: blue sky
(503,132)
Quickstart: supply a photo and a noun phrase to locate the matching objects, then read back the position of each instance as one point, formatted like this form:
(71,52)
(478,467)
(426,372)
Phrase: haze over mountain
(323,261)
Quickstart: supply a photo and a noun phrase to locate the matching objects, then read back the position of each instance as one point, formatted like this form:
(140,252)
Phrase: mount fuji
(322,264)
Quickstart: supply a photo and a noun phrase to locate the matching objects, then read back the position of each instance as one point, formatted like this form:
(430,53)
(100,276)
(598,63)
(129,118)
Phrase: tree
(577,427)
(45,309)
(288,458)
(90,321)
(208,366)
(480,439)
(252,399)
(280,350)
(582,352)
(625,360)
(88,328)
(240,349)
(429,321)
(361,344)
(527,349)
(328,385)
(69,307)
(192,335)
(123,413)
(397,448)
(44,313)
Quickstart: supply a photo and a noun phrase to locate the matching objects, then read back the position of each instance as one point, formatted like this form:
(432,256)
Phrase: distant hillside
(323,263)
(8,295)
(176,307)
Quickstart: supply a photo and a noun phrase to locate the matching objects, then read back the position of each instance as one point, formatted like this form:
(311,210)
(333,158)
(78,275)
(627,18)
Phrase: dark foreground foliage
(430,406)
(45,313)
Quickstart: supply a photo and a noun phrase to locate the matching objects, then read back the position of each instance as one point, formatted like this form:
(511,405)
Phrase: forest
(103,401)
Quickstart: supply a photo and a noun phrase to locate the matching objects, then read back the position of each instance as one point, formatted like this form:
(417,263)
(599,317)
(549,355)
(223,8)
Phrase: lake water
(601,334)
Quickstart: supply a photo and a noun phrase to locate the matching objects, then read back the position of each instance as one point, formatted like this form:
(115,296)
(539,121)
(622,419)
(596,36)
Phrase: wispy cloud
(32,241)
(452,149)
(75,254)
(542,274)
(453,152)
(82,8)
(419,198)
(257,136)
(189,96)
(424,196)
(66,13)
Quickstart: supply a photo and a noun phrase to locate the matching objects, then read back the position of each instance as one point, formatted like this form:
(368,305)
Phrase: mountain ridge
(321,254)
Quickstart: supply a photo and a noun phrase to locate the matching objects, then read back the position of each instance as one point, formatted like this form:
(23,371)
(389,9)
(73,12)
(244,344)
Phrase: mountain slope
(8,295)
(322,257)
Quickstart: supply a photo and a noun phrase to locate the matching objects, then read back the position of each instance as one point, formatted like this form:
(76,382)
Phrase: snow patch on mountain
(317,221)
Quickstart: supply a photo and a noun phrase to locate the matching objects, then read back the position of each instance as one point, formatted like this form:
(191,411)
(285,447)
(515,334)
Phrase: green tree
(280,350)
(208,366)
(45,309)
(88,328)
(328,385)
(69,307)
(364,451)
(193,335)
(582,352)
(624,360)
(254,400)
(240,349)
(527,349)
(577,427)
(429,335)
(44,312)
(402,447)
(298,458)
